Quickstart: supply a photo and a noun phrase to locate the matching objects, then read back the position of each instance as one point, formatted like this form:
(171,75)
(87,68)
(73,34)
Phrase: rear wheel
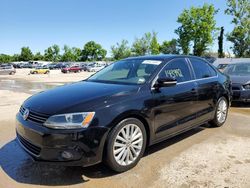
(220,113)
(126,145)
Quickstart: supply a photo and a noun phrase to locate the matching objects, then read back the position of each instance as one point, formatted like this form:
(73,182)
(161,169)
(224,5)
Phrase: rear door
(207,81)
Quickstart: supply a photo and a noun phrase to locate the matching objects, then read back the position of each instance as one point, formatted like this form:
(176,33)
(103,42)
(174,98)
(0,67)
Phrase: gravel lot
(202,157)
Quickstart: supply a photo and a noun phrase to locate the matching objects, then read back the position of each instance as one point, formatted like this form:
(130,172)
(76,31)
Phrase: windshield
(238,69)
(127,71)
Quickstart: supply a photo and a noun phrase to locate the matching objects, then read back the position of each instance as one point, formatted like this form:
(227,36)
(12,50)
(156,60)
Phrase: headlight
(247,86)
(70,121)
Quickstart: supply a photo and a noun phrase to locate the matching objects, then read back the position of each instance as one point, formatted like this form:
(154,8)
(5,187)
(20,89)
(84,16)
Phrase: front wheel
(220,113)
(126,145)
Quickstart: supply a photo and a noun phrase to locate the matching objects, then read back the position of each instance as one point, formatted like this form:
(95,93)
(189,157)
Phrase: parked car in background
(7,69)
(240,77)
(221,67)
(94,67)
(83,67)
(52,66)
(40,70)
(124,108)
(69,69)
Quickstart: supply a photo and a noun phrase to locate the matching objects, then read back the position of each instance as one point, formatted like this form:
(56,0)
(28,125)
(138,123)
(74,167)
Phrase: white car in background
(95,68)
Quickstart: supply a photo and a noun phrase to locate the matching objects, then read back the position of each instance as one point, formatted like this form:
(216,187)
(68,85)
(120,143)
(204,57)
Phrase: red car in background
(71,69)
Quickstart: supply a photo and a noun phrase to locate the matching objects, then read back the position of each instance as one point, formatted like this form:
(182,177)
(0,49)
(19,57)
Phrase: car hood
(240,79)
(78,97)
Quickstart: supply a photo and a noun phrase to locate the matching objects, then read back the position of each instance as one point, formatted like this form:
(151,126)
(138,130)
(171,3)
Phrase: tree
(71,54)
(141,46)
(93,51)
(77,52)
(67,55)
(240,36)
(26,54)
(5,58)
(220,43)
(197,26)
(38,56)
(120,50)
(52,53)
(154,45)
(170,47)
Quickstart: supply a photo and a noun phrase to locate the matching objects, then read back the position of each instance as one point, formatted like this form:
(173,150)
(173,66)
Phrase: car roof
(164,57)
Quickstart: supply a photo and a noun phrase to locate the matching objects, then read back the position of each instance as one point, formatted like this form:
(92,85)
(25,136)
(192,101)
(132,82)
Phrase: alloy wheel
(222,111)
(128,144)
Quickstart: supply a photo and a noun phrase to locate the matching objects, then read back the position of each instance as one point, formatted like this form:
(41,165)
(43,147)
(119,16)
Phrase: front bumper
(241,95)
(49,146)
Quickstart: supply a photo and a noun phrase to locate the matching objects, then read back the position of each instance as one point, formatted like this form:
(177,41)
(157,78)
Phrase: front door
(174,108)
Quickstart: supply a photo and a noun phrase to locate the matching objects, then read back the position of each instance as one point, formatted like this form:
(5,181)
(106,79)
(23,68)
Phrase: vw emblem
(26,114)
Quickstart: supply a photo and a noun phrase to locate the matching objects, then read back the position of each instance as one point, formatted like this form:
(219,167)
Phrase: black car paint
(165,112)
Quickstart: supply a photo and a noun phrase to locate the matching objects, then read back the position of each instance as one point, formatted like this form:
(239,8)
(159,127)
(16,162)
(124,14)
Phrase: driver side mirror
(165,82)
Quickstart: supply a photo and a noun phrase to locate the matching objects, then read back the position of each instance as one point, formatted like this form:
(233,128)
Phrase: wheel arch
(130,114)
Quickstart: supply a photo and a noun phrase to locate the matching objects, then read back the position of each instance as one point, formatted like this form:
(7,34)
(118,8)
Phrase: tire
(219,120)
(35,72)
(127,155)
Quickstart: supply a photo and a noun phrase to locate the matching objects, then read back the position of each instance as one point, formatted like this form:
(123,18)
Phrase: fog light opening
(67,155)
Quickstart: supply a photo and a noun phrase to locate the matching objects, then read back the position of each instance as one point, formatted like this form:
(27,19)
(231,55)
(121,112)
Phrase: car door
(175,106)
(207,83)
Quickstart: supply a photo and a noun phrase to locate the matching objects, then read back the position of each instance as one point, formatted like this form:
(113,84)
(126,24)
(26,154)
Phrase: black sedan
(119,111)
(240,76)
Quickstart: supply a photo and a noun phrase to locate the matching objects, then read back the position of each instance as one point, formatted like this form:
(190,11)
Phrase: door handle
(194,91)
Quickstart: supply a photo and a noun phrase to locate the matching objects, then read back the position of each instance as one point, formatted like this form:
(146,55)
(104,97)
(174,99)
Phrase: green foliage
(146,45)
(71,54)
(120,50)
(240,36)
(154,45)
(170,47)
(26,54)
(93,51)
(141,46)
(5,58)
(197,27)
(52,53)
(38,56)
(220,43)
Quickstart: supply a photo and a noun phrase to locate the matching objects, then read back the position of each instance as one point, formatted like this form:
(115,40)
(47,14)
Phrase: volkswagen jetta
(119,111)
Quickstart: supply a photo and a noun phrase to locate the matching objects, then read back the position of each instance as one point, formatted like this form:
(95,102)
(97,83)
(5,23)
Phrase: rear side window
(202,69)
(177,69)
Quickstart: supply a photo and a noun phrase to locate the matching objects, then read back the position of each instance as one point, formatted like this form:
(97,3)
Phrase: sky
(42,23)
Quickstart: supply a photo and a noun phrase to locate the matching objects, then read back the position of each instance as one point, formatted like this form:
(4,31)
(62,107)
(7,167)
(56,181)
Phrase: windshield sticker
(174,73)
(151,62)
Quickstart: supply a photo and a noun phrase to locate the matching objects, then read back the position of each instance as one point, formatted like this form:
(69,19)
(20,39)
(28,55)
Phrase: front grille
(235,88)
(35,116)
(33,149)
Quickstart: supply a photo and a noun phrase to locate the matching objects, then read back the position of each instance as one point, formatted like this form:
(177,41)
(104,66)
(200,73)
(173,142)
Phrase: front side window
(135,71)
(177,69)
(202,69)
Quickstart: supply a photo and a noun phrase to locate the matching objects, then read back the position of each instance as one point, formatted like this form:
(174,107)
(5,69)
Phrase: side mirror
(165,82)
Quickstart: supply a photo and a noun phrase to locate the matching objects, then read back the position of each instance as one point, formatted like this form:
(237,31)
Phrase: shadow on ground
(20,167)
(241,104)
